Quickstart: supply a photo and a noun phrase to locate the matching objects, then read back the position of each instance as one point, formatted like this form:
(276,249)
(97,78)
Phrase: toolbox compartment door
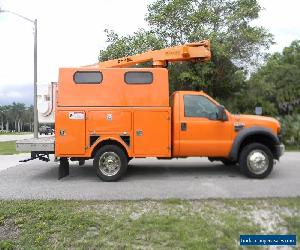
(152,133)
(70,133)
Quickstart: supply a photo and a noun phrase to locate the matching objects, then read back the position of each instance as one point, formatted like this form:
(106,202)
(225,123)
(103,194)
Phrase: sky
(71,33)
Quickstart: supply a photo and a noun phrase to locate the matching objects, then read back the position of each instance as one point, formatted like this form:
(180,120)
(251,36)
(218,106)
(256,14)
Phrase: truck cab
(202,127)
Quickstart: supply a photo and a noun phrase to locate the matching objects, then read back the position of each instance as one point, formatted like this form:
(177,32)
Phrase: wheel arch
(109,141)
(254,134)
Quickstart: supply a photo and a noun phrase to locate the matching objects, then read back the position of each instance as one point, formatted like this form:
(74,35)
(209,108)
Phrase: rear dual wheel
(110,163)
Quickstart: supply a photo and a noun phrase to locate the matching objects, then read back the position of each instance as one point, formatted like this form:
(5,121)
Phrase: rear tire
(110,163)
(256,160)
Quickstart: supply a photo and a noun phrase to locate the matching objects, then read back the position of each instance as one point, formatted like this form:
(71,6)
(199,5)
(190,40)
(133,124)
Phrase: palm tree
(28,117)
(18,110)
(2,117)
(7,115)
(16,116)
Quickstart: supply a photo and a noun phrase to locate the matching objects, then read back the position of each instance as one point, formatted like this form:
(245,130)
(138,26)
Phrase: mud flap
(63,169)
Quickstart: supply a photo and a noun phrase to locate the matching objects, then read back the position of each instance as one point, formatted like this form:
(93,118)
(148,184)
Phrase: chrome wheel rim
(109,163)
(257,161)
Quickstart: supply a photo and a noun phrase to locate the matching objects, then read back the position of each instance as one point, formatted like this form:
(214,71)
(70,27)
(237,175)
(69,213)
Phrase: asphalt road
(192,178)
(16,137)
(7,161)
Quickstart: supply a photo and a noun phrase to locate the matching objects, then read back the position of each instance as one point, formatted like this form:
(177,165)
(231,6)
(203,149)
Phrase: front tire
(110,163)
(256,160)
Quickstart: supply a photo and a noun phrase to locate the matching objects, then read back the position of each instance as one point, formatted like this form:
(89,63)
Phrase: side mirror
(222,116)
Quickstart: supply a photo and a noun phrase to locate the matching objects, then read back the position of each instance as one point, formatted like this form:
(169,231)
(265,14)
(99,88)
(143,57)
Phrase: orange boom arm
(198,51)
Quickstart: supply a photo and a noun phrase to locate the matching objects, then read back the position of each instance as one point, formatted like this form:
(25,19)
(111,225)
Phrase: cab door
(201,133)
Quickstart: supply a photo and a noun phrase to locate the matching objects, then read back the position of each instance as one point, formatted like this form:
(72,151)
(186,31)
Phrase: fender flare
(114,140)
(243,134)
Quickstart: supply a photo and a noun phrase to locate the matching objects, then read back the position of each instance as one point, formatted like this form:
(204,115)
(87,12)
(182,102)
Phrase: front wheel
(256,160)
(110,163)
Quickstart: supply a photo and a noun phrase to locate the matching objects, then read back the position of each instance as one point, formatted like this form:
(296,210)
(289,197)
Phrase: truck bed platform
(42,144)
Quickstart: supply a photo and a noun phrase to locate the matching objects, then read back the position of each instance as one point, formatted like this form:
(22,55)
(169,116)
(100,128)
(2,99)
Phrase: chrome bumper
(280,149)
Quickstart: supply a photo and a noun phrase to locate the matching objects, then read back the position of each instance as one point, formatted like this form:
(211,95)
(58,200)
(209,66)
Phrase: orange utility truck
(112,112)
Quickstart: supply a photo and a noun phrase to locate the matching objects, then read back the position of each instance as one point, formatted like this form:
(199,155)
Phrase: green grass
(169,224)
(292,148)
(8,148)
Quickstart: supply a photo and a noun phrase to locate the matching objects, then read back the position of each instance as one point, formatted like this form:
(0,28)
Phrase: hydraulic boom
(198,51)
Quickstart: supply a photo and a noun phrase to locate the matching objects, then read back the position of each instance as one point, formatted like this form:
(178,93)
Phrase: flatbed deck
(42,144)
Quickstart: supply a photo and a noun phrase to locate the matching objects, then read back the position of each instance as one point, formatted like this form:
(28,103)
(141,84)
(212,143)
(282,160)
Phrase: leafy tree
(277,83)
(227,23)
(120,46)
(291,129)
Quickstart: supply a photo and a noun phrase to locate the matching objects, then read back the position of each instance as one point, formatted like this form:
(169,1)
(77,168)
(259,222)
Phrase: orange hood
(256,120)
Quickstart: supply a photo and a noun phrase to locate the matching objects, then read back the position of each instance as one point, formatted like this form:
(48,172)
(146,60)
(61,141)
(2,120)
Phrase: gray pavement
(19,137)
(191,178)
(7,161)
(15,137)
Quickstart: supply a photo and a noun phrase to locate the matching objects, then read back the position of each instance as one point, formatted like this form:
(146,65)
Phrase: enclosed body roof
(116,88)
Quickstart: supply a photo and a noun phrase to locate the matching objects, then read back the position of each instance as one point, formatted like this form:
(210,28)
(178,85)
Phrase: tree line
(241,75)
(16,117)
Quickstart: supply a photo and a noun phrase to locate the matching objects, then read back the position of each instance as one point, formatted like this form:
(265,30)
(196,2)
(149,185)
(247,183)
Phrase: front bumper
(280,149)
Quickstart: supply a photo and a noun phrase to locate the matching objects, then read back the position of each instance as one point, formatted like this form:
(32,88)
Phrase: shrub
(291,129)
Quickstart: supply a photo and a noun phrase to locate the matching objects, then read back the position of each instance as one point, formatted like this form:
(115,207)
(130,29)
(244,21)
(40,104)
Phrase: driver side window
(199,106)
